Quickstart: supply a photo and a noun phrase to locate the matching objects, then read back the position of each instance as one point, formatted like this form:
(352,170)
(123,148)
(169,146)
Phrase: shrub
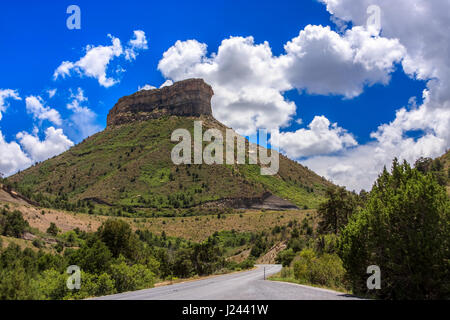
(16,285)
(93,257)
(59,247)
(328,243)
(117,236)
(285,257)
(325,270)
(53,229)
(52,285)
(302,266)
(129,278)
(37,243)
(247,263)
(14,224)
(287,273)
(93,285)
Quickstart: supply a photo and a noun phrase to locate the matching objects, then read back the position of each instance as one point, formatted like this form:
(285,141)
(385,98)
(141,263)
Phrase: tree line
(402,225)
(113,259)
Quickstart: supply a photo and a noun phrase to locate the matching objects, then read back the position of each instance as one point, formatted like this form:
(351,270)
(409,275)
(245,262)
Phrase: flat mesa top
(191,97)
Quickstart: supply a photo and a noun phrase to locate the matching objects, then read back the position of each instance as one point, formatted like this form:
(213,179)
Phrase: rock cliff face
(191,97)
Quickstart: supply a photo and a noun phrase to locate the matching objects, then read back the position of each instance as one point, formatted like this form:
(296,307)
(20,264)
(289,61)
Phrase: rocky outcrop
(266,201)
(191,97)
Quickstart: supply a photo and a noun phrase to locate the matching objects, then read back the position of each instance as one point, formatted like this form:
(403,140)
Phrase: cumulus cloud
(95,62)
(322,61)
(35,106)
(54,143)
(249,81)
(421,27)
(246,78)
(321,138)
(12,157)
(425,58)
(4,95)
(357,168)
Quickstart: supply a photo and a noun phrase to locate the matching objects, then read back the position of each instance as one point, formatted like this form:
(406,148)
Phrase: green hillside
(129,167)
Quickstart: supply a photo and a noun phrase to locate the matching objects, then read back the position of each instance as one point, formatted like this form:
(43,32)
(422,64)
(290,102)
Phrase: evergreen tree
(404,229)
(335,212)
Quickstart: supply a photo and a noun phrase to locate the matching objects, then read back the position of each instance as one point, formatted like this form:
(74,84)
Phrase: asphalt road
(248,285)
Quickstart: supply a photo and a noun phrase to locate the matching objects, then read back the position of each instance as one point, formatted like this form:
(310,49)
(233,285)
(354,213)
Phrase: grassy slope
(190,228)
(131,165)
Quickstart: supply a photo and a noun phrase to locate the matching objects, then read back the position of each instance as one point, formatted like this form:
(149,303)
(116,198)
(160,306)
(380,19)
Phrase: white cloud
(426,58)
(97,58)
(166,83)
(83,120)
(146,87)
(422,27)
(7,94)
(63,70)
(51,93)
(12,157)
(320,138)
(34,105)
(357,168)
(323,62)
(150,87)
(246,78)
(249,81)
(54,143)
(139,42)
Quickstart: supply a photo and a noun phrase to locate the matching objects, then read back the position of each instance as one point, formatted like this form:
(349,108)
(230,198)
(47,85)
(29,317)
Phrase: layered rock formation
(191,97)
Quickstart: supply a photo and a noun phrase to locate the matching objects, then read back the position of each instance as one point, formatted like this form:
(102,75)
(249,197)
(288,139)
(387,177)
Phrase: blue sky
(36,41)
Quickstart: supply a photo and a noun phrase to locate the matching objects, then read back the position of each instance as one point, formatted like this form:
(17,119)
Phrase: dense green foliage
(434,167)
(402,226)
(325,270)
(404,229)
(112,260)
(12,224)
(53,229)
(336,210)
(311,258)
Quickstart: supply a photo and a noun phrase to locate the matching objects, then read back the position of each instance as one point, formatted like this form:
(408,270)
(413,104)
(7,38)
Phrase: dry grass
(201,227)
(65,221)
(196,228)
(22,243)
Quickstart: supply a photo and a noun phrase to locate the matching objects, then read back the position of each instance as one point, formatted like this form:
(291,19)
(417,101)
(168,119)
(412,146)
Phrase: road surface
(248,285)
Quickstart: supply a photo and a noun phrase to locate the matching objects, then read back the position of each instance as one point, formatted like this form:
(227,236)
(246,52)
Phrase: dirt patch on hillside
(270,256)
(6,197)
(41,218)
